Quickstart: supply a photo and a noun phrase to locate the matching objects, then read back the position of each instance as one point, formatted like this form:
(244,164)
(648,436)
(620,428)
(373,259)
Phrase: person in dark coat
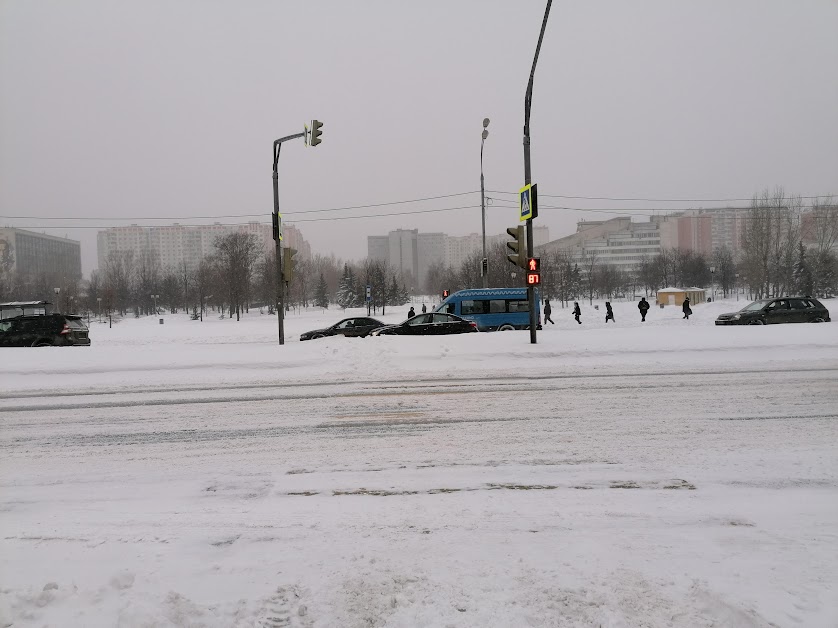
(577,312)
(609,313)
(411,313)
(424,308)
(547,311)
(686,308)
(643,306)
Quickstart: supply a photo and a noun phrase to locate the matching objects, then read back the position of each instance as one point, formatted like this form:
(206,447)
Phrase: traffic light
(445,294)
(518,245)
(533,271)
(316,125)
(288,264)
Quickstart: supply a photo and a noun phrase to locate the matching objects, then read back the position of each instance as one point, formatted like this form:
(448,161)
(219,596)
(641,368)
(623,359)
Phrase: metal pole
(483,270)
(280,284)
(528,170)
(280,309)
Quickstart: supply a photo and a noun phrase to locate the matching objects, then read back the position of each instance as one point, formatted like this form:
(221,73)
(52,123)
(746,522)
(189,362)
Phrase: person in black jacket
(643,306)
(609,313)
(547,311)
(686,308)
(577,312)
(411,313)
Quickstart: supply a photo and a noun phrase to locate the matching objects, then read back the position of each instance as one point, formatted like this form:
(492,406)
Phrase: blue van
(493,309)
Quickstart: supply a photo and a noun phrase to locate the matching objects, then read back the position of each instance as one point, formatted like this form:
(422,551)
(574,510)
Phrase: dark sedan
(351,327)
(780,310)
(430,324)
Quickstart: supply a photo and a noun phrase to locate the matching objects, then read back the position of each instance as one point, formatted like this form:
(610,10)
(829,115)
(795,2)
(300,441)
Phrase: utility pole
(315,134)
(484,263)
(528,171)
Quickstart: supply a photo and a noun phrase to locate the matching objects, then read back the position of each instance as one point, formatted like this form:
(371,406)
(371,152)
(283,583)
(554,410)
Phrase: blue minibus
(493,309)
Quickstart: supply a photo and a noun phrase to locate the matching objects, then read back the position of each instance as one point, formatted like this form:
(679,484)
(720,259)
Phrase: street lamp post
(57,291)
(713,282)
(155,297)
(99,302)
(736,287)
(484,263)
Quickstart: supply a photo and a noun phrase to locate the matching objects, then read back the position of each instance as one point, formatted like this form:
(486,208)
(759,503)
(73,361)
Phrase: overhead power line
(654,200)
(260,214)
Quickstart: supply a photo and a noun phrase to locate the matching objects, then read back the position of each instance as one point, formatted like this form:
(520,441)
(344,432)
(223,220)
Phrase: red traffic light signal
(445,294)
(534,264)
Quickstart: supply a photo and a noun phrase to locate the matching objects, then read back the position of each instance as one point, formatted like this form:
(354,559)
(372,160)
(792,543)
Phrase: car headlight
(737,317)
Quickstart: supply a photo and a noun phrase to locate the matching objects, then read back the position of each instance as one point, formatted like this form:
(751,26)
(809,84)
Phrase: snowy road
(705,495)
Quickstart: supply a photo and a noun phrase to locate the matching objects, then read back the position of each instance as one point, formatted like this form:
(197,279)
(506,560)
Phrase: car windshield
(756,305)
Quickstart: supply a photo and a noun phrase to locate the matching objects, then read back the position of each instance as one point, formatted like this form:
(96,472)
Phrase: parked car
(430,324)
(359,326)
(781,310)
(50,330)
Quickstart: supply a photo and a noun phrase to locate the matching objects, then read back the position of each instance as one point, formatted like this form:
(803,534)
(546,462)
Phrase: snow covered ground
(669,473)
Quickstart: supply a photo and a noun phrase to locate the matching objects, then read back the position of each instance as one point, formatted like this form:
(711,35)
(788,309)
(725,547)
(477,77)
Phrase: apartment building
(177,244)
(38,253)
(412,253)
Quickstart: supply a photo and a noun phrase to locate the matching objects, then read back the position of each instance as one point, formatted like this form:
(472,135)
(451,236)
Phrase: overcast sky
(160,108)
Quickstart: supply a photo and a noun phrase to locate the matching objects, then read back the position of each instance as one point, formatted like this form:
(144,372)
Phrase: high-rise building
(411,253)
(41,254)
(177,244)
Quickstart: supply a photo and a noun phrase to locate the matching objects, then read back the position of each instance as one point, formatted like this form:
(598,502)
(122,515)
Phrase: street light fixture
(484,263)
(155,297)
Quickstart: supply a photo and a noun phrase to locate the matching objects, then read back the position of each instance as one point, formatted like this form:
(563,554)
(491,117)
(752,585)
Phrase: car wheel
(316,336)
(42,343)
(758,321)
(506,328)
(817,320)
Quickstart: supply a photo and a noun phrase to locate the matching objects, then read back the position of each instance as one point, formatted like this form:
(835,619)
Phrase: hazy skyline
(136,110)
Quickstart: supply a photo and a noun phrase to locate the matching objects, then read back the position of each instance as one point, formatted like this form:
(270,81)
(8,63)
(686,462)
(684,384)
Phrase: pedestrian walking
(424,308)
(685,308)
(411,313)
(547,311)
(577,313)
(643,306)
(609,313)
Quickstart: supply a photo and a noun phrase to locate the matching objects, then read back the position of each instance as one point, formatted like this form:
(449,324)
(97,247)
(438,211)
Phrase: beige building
(676,296)
(177,244)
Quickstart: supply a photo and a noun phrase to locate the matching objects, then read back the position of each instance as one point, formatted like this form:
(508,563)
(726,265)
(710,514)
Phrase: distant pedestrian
(643,306)
(577,313)
(685,308)
(411,313)
(609,313)
(424,308)
(547,311)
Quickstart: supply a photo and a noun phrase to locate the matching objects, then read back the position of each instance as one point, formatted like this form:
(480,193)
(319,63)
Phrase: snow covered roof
(672,290)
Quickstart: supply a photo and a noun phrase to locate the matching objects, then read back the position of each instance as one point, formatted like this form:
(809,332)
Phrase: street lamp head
(485,134)
(57,290)
(712,269)
(485,122)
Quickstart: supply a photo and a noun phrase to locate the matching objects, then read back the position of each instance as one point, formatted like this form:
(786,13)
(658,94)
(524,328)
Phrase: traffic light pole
(528,172)
(280,284)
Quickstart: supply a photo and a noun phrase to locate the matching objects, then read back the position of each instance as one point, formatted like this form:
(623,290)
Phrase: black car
(352,327)
(50,330)
(780,310)
(430,324)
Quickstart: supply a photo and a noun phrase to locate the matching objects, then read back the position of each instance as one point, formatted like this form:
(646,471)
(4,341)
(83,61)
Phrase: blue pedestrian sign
(529,201)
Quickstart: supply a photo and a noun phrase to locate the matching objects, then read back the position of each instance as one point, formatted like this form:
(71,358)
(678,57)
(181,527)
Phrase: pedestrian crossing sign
(529,201)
